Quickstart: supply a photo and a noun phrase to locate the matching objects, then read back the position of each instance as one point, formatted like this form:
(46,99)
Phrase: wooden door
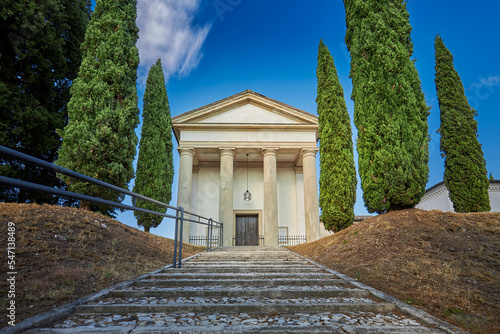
(247,231)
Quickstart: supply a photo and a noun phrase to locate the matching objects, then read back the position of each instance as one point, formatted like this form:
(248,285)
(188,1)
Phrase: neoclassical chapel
(250,162)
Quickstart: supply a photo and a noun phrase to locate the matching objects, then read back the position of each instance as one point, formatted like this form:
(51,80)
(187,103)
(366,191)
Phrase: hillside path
(248,290)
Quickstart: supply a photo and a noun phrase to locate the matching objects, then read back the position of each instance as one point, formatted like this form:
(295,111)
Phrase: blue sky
(216,48)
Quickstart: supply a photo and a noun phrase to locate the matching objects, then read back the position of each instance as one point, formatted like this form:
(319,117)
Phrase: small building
(437,198)
(249,145)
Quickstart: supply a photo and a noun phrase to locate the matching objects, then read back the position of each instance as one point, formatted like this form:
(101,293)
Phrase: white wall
(439,199)
(255,187)
(300,204)
(436,199)
(208,192)
(494,193)
(287,200)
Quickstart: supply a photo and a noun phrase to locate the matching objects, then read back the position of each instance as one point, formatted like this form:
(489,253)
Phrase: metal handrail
(179,216)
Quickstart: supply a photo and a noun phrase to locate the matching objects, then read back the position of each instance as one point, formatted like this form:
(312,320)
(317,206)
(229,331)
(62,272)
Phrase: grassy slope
(63,254)
(447,264)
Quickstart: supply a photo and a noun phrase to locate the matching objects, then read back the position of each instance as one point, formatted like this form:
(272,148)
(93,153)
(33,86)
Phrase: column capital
(309,151)
(186,150)
(227,151)
(270,151)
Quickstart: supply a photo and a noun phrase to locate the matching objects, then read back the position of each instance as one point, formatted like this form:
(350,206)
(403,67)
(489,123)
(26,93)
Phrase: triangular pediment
(247,107)
(249,114)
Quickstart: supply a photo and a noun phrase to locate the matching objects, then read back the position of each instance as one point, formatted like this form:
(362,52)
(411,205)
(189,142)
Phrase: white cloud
(166,31)
(491,81)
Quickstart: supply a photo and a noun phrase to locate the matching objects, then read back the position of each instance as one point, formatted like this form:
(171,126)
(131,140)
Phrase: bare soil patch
(63,254)
(447,264)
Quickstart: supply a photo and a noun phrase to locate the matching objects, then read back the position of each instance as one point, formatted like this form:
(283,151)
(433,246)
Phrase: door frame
(257,213)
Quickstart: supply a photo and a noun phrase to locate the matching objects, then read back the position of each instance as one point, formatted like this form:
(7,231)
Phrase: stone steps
(248,256)
(242,290)
(250,329)
(289,294)
(254,267)
(238,276)
(265,263)
(252,307)
(251,269)
(242,282)
(236,262)
(246,269)
(366,323)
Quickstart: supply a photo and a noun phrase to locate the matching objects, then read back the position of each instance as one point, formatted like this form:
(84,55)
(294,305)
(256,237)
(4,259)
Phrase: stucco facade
(280,143)
(437,198)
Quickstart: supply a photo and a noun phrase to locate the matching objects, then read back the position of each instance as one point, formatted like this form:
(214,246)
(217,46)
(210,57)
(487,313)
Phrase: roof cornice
(242,98)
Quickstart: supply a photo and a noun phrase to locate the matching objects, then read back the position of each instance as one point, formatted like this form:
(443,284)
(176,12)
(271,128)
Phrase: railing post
(176,238)
(208,236)
(211,233)
(221,235)
(180,235)
(209,240)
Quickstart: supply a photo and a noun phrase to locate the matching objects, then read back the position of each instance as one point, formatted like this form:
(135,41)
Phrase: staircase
(243,290)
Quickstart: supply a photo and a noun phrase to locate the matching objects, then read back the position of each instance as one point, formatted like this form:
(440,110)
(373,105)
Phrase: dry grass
(94,252)
(447,264)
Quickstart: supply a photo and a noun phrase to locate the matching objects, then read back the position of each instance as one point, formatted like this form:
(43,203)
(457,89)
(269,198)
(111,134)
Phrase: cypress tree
(39,58)
(337,193)
(491,177)
(465,172)
(155,167)
(390,111)
(99,140)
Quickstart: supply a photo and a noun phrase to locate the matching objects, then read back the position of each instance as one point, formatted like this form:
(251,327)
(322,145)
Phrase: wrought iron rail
(179,216)
(201,240)
(283,240)
(291,240)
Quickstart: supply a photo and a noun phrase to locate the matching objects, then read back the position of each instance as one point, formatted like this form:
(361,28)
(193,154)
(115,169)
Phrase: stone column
(311,193)
(226,194)
(184,192)
(270,197)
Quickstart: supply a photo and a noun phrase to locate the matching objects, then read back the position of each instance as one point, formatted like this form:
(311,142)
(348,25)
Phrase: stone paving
(228,300)
(202,319)
(245,290)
